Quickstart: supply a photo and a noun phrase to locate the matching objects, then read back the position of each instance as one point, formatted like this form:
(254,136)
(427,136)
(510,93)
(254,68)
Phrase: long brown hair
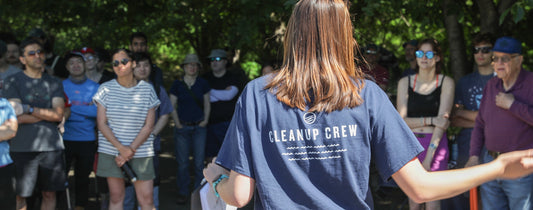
(319,59)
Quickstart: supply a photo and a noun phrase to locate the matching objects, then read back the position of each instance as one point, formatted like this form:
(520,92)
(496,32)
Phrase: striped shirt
(126,110)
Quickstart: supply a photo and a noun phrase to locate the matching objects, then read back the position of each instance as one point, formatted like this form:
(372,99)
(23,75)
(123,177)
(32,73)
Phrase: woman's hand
(126,152)
(203,123)
(213,171)
(120,161)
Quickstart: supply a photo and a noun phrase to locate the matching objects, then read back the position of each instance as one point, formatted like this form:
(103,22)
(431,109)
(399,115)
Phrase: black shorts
(46,170)
(7,187)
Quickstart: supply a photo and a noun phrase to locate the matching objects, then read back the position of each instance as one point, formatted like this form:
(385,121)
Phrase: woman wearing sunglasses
(125,119)
(425,101)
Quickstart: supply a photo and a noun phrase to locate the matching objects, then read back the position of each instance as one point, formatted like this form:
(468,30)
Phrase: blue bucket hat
(507,45)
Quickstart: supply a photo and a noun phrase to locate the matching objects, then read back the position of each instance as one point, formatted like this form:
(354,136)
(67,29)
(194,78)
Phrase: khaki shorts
(143,167)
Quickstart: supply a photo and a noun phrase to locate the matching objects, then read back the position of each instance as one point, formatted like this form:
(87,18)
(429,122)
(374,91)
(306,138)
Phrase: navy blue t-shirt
(190,108)
(304,160)
(469,90)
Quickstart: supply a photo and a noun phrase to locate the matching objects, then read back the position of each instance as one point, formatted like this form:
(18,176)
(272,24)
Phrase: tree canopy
(254,29)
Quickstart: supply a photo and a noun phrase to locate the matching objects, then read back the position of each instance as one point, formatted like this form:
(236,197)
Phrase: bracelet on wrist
(215,183)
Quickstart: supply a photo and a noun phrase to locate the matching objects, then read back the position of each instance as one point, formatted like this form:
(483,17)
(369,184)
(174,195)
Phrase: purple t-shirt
(315,160)
(503,130)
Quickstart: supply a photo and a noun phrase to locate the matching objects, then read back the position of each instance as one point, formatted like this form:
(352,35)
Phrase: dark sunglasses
(216,59)
(483,50)
(420,54)
(123,61)
(35,52)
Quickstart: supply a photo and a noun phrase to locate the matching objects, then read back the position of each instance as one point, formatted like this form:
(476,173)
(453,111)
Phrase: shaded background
(253,29)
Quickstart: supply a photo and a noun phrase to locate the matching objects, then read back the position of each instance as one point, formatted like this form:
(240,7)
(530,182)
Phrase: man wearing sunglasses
(223,96)
(468,93)
(504,124)
(37,149)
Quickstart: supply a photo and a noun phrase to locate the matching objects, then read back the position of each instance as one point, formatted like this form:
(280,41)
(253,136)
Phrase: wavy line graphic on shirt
(313,147)
(314,152)
(315,158)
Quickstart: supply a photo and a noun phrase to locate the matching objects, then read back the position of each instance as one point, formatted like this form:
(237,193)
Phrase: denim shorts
(143,167)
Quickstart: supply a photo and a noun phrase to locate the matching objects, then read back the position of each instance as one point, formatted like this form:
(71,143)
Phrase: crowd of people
(76,114)
(301,136)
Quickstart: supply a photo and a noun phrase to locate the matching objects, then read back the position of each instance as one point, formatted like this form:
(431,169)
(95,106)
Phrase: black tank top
(419,105)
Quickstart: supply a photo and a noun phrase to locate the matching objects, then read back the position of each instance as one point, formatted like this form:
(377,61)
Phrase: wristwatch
(30,110)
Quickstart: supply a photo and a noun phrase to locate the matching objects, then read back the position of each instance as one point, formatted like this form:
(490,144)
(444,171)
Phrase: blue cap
(507,45)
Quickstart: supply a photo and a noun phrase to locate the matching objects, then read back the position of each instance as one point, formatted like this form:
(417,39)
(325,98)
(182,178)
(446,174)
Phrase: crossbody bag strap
(193,96)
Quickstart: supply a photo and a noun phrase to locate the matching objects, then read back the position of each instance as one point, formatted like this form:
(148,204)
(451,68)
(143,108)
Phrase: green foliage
(518,11)
(252,68)
(252,29)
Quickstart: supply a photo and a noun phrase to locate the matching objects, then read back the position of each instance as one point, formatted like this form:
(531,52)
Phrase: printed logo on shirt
(309,117)
(323,149)
(478,100)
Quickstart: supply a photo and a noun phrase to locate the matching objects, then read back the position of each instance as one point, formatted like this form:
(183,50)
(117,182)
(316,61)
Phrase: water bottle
(128,172)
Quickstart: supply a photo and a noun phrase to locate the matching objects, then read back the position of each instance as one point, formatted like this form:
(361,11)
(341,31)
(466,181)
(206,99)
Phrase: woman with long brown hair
(303,137)
(425,101)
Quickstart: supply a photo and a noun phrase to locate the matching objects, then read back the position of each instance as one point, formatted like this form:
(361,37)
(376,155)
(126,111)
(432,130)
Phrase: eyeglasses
(123,61)
(90,58)
(217,59)
(483,50)
(503,59)
(420,54)
(35,53)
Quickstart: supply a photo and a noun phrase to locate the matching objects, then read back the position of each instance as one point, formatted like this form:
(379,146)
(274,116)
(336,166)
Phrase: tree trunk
(508,24)
(488,16)
(454,30)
